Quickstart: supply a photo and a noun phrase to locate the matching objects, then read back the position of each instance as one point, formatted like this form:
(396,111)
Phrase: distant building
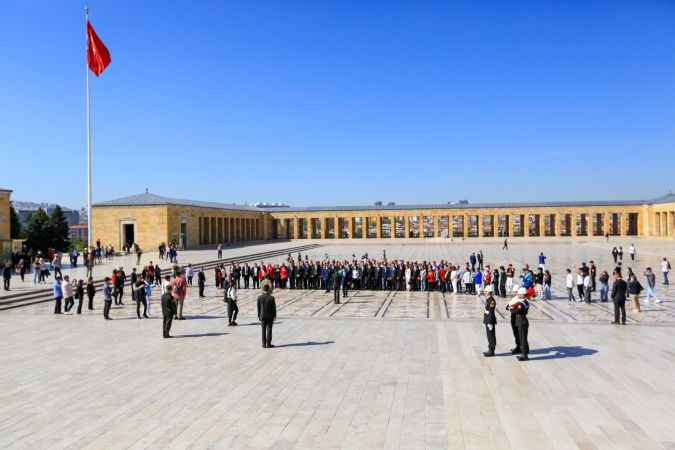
(78,232)
(5,232)
(26,209)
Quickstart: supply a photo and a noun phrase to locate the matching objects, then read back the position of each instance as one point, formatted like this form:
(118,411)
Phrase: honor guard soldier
(519,307)
(490,322)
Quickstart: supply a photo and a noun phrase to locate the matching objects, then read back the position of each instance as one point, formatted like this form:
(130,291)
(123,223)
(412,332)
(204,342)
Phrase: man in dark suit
(618,296)
(168,311)
(267,313)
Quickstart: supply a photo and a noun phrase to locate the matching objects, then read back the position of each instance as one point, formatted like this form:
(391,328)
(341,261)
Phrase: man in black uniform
(168,311)
(201,282)
(618,296)
(519,307)
(267,313)
(490,322)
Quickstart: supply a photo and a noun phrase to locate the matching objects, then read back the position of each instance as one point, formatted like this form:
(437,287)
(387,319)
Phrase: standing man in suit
(168,310)
(267,313)
(618,296)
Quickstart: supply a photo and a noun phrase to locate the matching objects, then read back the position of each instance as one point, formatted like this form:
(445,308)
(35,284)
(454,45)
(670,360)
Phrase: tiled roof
(149,199)
(2,189)
(561,204)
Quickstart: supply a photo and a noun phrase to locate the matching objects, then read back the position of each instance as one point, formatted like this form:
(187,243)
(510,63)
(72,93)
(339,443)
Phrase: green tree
(39,232)
(14,224)
(60,230)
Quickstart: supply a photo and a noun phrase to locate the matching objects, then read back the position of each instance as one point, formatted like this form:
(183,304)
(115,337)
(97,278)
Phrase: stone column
(510,218)
(556,224)
(392,227)
(481,231)
(465,223)
(378,227)
(437,226)
(350,227)
(406,226)
(336,228)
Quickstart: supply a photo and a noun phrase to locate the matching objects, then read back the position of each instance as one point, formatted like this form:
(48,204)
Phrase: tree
(39,232)
(14,224)
(60,230)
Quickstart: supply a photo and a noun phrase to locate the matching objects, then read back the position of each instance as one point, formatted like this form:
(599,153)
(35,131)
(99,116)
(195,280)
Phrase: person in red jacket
(283,274)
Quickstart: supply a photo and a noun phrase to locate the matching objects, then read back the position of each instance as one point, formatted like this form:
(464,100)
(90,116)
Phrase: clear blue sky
(318,103)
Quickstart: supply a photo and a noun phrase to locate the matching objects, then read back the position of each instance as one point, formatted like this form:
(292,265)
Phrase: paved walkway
(380,371)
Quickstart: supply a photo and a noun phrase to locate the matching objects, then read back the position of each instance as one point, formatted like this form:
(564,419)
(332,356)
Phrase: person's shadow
(199,335)
(304,344)
(558,352)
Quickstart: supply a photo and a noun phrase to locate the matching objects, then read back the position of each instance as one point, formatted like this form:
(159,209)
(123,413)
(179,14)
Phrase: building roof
(2,189)
(150,199)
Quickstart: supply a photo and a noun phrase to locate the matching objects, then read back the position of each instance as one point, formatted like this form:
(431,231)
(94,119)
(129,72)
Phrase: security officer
(519,307)
(168,310)
(490,322)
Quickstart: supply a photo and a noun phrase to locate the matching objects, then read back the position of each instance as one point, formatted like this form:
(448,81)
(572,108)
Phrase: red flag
(98,57)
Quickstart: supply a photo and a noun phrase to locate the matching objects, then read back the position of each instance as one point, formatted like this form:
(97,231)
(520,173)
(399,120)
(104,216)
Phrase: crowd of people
(472,277)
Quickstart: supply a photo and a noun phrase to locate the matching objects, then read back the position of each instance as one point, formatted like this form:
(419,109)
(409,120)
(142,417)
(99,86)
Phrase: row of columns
(466,225)
(216,230)
(664,223)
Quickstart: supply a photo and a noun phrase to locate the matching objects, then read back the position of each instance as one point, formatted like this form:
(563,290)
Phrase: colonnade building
(150,219)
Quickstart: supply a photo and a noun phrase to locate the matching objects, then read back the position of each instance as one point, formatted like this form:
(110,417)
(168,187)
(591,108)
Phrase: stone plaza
(381,370)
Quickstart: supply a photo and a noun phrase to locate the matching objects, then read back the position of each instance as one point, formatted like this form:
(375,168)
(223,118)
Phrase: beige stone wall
(5,233)
(376,215)
(150,225)
(662,220)
(217,225)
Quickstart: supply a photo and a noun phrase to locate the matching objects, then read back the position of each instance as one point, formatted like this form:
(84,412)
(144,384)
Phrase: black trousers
(246,282)
(57,305)
(5,283)
(336,295)
(138,306)
(201,289)
(580,290)
(118,297)
(106,309)
(523,328)
(256,283)
(168,311)
(79,305)
(266,326)
(91,302)
(620,310)
(491,337)
(69,303)
(516,334)
(232,311)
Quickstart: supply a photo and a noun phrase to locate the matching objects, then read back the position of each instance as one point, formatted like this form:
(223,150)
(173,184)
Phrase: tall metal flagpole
(88,109)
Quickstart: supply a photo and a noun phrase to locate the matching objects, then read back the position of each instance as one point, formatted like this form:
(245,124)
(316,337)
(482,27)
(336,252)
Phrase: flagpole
(88,113)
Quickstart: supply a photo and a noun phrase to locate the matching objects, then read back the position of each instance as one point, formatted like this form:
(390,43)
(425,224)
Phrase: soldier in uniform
(519,307)
(490,322)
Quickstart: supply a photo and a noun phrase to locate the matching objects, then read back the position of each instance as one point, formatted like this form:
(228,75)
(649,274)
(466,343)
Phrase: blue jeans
(604,289)
(547,292)
(665,278)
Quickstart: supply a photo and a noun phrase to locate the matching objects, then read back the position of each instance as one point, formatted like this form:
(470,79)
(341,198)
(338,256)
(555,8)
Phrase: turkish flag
(98,56)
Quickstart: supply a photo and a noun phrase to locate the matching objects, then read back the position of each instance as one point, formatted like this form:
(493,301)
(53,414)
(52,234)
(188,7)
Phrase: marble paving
(381,370)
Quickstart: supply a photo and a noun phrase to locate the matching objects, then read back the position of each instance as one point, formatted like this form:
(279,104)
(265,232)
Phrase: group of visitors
(170,252)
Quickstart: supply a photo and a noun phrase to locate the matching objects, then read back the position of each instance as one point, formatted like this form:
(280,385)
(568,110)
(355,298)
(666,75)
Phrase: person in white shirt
(232,308)
(631,252)
(408,276)
(454,277)
(67,289)
(665,268)
(587,288)
(466,279)
(569,284)
(580,284)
